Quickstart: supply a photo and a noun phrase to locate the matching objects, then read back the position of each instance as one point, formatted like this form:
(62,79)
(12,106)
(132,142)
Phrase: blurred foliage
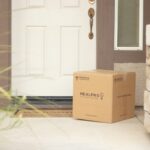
(8,117)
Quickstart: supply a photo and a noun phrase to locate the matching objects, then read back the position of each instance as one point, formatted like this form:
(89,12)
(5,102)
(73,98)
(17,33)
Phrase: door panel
(69,52)
(35,50)
(70,3)
(49,42)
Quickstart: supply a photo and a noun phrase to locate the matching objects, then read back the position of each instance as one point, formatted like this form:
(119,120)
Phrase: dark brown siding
(105,28)
(106,56)
(5,25)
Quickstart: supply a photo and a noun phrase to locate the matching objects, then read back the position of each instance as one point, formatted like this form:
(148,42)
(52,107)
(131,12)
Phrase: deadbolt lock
(91,1)
(91,13)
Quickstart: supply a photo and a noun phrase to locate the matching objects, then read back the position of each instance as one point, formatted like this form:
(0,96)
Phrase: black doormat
(50,102)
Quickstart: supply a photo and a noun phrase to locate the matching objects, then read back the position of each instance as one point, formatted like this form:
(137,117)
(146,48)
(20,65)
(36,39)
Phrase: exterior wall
(106,56)
(139,68)
(147,121)
(147,90)
(5,40)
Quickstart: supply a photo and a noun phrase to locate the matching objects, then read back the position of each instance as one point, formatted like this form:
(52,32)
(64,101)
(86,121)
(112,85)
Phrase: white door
(49,42)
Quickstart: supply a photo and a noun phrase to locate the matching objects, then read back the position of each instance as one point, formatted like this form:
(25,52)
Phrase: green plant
(14,104)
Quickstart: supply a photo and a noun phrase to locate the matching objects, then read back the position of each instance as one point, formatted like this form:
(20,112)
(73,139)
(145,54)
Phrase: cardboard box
(104,96)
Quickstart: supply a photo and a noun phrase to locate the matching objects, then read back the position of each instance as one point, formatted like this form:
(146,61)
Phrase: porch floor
(70,134)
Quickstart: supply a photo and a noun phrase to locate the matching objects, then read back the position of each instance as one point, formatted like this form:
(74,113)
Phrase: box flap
(105,72)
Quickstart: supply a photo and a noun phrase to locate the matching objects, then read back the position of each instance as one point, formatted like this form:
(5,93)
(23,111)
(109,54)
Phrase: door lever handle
(91,34)
(91,14)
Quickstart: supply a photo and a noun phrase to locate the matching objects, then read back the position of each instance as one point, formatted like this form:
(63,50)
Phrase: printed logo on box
(82,78)
(92,95)
(118,79)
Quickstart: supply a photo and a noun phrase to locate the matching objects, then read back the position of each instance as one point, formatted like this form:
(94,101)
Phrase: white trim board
(141,22)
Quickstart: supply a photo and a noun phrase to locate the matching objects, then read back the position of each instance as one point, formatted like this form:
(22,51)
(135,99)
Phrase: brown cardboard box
(104,96)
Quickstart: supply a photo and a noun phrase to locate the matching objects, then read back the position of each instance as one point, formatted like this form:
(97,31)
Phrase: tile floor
(69,134)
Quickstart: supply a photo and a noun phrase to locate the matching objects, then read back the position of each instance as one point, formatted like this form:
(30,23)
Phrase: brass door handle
(91,14)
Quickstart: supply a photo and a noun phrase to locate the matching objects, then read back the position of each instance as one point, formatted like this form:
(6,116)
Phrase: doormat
(46,107)
(45,113)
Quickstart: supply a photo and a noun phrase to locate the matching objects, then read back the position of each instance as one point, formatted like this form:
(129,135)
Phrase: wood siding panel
(105,33)
(106,56)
